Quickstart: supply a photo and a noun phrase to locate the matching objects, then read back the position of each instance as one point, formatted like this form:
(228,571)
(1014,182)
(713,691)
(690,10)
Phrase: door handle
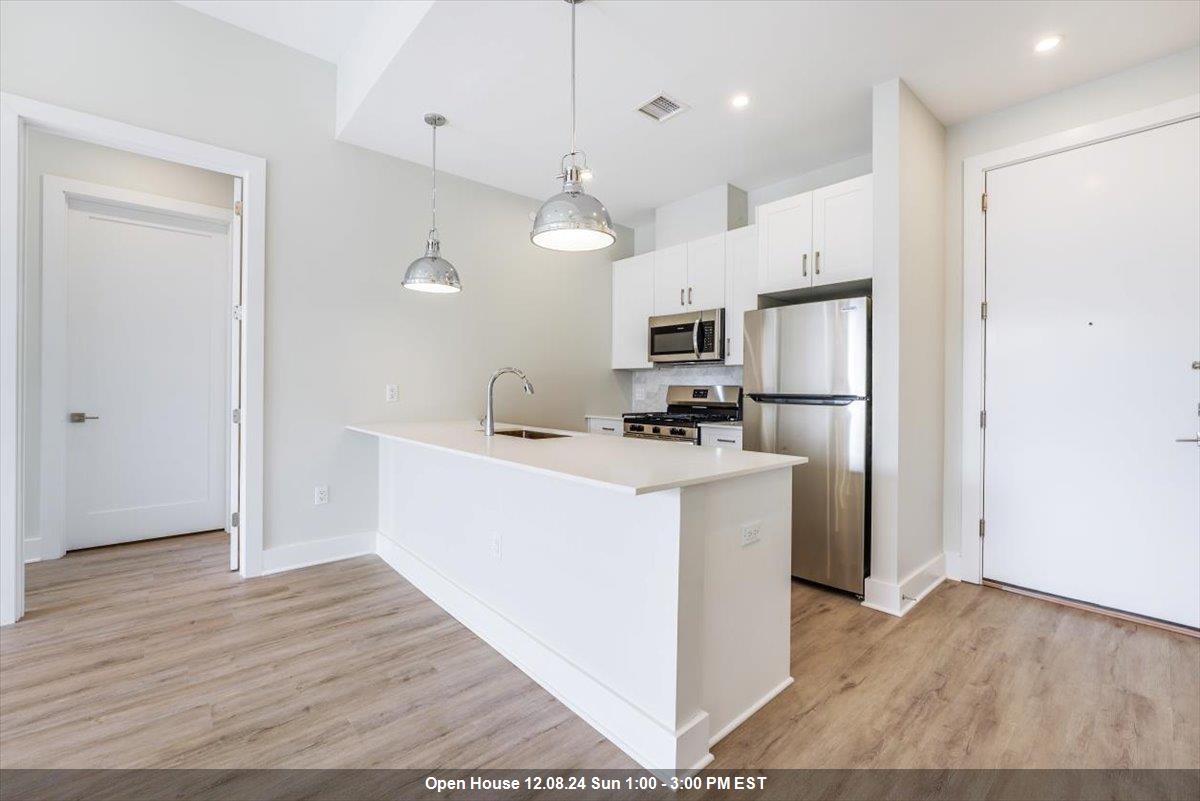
(1189,439)
(804,265)
(689,296)
(817,262)
(80,417)
(696,338)
(680,296)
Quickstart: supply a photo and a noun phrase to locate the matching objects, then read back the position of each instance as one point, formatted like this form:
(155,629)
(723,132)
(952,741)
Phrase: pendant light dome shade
(432,273)
(573,219)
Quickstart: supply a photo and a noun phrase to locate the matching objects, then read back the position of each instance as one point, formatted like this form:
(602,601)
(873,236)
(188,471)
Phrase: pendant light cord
(573,4)
(433,223)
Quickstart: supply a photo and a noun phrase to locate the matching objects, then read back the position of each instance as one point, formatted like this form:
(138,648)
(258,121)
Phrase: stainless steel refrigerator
(807,393)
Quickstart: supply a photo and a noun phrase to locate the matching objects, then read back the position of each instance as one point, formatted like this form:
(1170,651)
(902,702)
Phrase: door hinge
(981,526)
(234,519)
(237,208)
(237,417)
(982,202)
(983,418)
(239,312)
(983,310)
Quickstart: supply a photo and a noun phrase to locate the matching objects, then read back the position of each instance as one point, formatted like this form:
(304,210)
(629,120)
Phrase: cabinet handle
(817,262)
(728,345)
(607,428)
(804,265)
(689,296)
(729,441)
(680,296)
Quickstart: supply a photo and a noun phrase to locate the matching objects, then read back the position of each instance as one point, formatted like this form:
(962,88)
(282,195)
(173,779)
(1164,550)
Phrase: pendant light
(432,273)
(573,219)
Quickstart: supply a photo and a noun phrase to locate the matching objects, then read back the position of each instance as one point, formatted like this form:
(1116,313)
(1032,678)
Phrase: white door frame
(17,114)
(57,194)
(975,169)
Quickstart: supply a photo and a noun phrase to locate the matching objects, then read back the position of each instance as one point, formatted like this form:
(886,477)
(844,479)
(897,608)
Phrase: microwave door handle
(696,337)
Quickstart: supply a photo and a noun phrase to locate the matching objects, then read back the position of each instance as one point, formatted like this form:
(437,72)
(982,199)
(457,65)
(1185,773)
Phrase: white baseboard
(32,549)
(898,599)
(317,552)
(649,742)
(742,718)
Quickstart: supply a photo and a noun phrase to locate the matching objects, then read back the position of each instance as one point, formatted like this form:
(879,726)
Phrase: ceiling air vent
(662,108)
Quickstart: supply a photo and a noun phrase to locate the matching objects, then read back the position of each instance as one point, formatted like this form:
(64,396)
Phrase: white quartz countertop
(635,466)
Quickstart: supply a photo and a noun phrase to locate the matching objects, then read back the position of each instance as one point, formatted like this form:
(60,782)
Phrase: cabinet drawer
(609,426)
(721,437)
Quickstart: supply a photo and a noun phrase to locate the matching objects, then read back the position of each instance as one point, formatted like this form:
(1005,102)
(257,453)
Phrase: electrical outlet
(496,546)
(392,393)
(751,534)
(320,495)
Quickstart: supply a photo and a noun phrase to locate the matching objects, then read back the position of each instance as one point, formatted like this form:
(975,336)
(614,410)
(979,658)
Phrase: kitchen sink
(525,433)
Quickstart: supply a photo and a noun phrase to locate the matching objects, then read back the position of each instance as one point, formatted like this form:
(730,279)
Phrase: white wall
(906,472)
(342,224)
(804,182)
(67,158)
(721,208)
(1150,84)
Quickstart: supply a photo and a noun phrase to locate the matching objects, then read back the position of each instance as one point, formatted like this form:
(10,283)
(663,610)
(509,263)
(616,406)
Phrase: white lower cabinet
(607,426)
(721,437)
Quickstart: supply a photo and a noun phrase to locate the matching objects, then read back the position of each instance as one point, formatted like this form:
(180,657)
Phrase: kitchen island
(646,585)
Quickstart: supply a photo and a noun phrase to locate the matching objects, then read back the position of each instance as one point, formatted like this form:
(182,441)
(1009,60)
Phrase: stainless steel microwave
(688,337)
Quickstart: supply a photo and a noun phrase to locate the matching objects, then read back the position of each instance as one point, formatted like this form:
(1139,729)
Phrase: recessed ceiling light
(740,101)
(1048,44)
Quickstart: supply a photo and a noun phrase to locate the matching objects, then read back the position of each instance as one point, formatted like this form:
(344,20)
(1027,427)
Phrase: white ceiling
(500,72)
(321,28)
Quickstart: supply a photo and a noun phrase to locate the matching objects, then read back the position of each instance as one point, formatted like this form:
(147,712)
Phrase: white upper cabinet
(670,280)
(741,286)
(821,237)
(843,241)
(785,243)
(706,273)
(632,305)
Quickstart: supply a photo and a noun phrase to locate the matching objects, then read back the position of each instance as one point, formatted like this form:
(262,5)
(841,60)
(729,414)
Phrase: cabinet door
(706,273)
(741,286)
(670,280)
(632,305)
(843,232)
(785,243)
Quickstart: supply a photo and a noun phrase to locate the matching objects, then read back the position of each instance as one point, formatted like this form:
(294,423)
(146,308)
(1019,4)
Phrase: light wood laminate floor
(154,655)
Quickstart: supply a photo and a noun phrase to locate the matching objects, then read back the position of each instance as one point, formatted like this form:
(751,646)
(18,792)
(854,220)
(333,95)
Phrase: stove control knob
(677,432)
(656,430)
(636,427)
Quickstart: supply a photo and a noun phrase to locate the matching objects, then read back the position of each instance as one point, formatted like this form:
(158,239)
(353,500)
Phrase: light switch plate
(751,533)
(320,495)
(392,393)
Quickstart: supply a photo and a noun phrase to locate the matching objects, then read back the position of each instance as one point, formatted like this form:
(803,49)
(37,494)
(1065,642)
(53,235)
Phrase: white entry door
(146,368)
(1093,334)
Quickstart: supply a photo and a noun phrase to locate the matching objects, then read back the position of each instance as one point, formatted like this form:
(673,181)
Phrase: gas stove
(687,408)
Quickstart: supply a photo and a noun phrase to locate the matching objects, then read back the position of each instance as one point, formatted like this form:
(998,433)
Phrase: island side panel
(576,585)
(745,611)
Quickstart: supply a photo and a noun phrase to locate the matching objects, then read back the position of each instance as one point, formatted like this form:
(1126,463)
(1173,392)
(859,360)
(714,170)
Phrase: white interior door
(147,348)
(233,451)
(1093,331)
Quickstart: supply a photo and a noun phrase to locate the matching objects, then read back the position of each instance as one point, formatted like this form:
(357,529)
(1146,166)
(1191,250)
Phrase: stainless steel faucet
(489,420)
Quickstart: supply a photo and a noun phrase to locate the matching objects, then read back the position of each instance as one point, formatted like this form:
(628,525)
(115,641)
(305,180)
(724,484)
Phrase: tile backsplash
(650,386)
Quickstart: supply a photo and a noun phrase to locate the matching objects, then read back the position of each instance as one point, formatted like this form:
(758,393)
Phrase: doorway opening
(131,348)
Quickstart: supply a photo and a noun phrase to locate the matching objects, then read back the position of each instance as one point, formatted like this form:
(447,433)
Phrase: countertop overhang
(629,465)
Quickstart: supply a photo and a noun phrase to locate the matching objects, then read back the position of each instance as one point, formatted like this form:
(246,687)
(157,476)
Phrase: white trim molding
(17,114)
(900,598)
(317,552)
(968,563)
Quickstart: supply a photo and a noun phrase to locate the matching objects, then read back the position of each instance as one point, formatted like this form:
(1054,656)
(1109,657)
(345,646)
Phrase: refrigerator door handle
(804,400)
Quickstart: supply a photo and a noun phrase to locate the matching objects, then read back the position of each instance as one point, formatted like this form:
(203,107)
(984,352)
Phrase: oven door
(688,337)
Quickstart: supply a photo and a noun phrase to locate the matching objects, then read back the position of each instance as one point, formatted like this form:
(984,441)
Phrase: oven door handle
(696,338)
